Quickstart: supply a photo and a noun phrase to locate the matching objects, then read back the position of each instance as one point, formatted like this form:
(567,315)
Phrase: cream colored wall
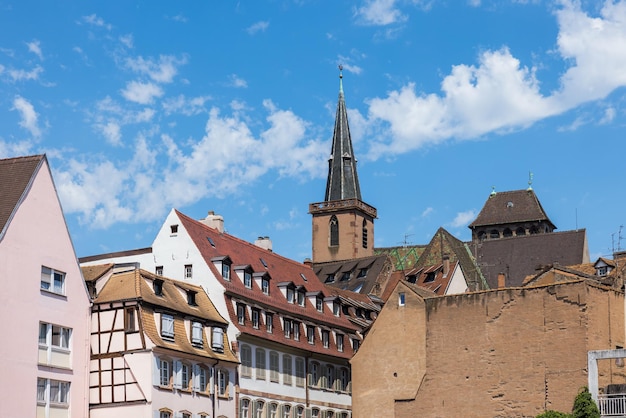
(392,360)
(350,237)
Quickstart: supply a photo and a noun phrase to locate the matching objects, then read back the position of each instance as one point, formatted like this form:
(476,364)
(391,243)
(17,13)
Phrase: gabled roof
(518,257)
(93,273)
(511,207)
(342,182)
(16,176)
(358,275)
(433,277)
(279,269)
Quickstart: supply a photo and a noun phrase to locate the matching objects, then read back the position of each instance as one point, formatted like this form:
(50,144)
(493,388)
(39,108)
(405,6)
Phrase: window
(157,286)
(273,410)
(334,231)
(364,233)
(314,374)
(329,414)
(602,271)
(188,271)
(315,413)
(54,345)
(226,271)
(174,229)
(336,308)
(286,411)
(301,297)
(325,338)
(274,373)
(255,318)
(344,380)
(185,415)
(244,410)
(247,279)
(241,314)
(355,344)
(51,393)
(287,370)
(245,355)
(362,273)
(52,280)
(218,340)
(202,379)
(290,295)
(269,322)
(345,276)
(310,334)
(507,233)
(260,409)
(299,412)
(330,377)
(260,363)
(165,414)
(129,320)
(494,234)
(191,298)
(319,303)
(158,270)
(185,376)
(339,342)
(196,334)
(330,278)
(296,331)
(287,327)
(165,372)
(263,262)
(520,231)
(300,375)
(167,326)
(401,298)
(222,379)
(430,277)
(265,285)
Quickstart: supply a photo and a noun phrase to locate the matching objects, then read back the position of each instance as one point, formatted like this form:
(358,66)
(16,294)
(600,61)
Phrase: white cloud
(379,13)
(94,20)
(427,212)
(111,131)
(500,94)
(463,218)
(236,81)
(473,3)
(142,93)
(161,71)
(29,117)
(260,26)
(186,106)
(346,64)
(19,75)
(609,115)
(180,18)
(127,40)
(35,48)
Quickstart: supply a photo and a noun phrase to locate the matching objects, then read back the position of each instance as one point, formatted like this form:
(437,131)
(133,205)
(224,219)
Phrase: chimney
(307,262)
(618,255)
(264,242)
(214,221)
(446,264)
(501,281)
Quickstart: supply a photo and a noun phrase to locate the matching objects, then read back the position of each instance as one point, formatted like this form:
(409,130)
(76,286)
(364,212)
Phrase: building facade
(44,304)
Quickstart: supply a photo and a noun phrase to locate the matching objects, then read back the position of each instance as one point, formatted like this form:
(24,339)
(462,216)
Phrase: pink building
(44,304)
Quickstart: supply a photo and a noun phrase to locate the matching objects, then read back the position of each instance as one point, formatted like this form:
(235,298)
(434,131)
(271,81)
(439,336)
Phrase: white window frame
(255,318)
(290,295)
(287,369)
(165,372)
(287,325)
(226,271)
(265,285)
(325,338)
(52,280)
(241,314)
(223,382)
(260,363)
(188,271)
(310,334)
(339,342)
(48,342)
(274,366)
(247,279)
(319,304)
(167,326)
(52,392)
(269,322)
(185,376)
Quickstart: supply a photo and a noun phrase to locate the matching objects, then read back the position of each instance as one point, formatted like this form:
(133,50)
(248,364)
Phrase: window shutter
(157,414)
(308,413)
(231,384)
(178,415)
(254,409)
(156,372)
(178,378)
(211,380)
(196,378)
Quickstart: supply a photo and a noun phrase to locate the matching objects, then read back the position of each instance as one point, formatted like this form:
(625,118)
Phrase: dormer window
(226,271)
(336,308)
(345,276)
(157,286)
(247,279)
(290,294)
(191,298)
(301,297)
(265,285)
(430,277)
(602,271)
(329,278)
(196,334)
(241,314)
(174,229)
(319,303)
(218,340)
(167,326)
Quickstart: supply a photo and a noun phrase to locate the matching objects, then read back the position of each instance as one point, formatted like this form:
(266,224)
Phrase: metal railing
(613,405)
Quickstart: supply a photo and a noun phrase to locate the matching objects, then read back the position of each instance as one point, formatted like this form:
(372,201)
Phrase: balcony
(613,405)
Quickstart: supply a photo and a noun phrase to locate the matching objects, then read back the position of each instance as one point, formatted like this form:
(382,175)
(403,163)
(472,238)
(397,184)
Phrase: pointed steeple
(343,182)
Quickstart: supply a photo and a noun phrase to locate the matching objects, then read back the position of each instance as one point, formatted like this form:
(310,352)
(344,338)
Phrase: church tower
(343,225)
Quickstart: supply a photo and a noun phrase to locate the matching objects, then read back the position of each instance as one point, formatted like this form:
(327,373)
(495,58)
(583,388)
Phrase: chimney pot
(214,221)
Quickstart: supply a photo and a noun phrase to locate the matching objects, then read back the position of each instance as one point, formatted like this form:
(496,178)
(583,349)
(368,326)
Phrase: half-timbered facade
(158,348)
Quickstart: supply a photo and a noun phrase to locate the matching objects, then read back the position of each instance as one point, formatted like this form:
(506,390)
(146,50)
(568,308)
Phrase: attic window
(430,277)
(329,278)
(345,276)
(411,278)
(263,262)
(401,299)
(157,286)
(303,277)
(191,298)
(211,241)
(602,271)
(362,273)
(158,270)
(174,229)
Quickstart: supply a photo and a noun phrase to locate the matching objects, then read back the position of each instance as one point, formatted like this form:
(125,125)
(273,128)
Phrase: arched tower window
(334,231)
(364,233)
(494,234)
(520,231)
(507,233)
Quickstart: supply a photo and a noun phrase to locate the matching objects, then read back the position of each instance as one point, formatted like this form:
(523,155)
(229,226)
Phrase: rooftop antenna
(405,242)
(619,238)
(530,181)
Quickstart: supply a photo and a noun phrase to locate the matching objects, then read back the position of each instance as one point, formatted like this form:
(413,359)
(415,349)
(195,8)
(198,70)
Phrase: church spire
(343,182)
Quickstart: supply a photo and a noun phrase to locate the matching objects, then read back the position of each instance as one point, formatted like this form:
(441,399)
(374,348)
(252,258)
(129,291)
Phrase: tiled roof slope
(518,257)
(404,257)
(16,175)
(135,285)
(511,207)
(280,270)
(445,243)
(348,274)
(433,277)
(91,273)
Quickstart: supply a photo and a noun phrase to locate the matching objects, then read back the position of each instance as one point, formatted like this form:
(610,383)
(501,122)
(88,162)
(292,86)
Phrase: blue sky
(142,106)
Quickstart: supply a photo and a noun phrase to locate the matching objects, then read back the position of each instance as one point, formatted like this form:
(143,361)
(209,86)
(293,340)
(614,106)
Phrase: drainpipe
(214,390)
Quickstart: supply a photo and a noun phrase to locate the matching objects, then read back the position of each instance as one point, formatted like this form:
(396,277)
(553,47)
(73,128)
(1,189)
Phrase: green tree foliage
(584,406)
(554,414)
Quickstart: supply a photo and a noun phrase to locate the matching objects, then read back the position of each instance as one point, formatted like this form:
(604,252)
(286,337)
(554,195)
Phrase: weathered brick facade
(502,353)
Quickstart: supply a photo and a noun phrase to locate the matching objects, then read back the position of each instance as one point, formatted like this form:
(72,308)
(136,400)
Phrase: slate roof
(404,257)
(349,274)
(511,207)
(518,257)
(16,176)
(213,244)
(342,182)
(136,285)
